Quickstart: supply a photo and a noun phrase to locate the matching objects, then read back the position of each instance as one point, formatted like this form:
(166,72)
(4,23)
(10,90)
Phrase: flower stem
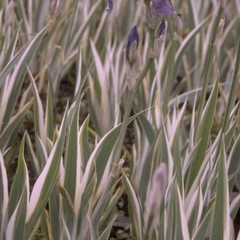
(124,125)
(130,100)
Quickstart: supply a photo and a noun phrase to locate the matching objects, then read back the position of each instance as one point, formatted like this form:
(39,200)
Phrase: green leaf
(147,127)
(106,233)
(3,192)
(49,115)
(16,225)
(202,229)
(109,210)
(203,132)
(32,156)
(92,230)
(72,155)
(11,48)
(18,65)
(166,154)
(182,226)
(230,134)
(232,93)
(46,181)
(221,214)
(100,207)
(18,199)
(65,234)
(191,95)
(100,156)
(186,43)
(81,204)
(39,125)
(46,225)
(20,181)
(195,210)
(84,144)
(234,207)
(55,213)
(174,135)
(233,163)
(135,208)
(147,169)
(12,125)
(22,15)
(68,208)
(100,95)
(177,222)
(78,32)
(80,81)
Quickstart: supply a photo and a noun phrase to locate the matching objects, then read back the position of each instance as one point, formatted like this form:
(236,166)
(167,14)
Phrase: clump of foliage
(149,133)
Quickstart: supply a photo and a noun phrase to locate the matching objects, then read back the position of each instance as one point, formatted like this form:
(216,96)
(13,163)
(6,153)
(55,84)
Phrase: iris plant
(110,6)
(162,7)
(131,58)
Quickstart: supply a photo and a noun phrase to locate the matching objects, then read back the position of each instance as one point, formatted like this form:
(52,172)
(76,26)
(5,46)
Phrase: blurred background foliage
(63,94)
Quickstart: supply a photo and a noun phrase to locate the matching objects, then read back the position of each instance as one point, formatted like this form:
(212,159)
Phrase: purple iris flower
(132,45)
(162,7)
(132,61)
(110,6)
(161,29)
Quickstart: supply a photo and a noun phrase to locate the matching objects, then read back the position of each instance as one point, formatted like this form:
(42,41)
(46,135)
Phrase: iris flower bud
(154,11)
(159,185)
(158,42)
(132,61)
(110,6)
(132,45)
(162,7)
(161,29)
(151,18)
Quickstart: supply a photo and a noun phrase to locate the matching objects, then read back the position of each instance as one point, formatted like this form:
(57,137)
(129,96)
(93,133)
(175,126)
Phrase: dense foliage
(119,119)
